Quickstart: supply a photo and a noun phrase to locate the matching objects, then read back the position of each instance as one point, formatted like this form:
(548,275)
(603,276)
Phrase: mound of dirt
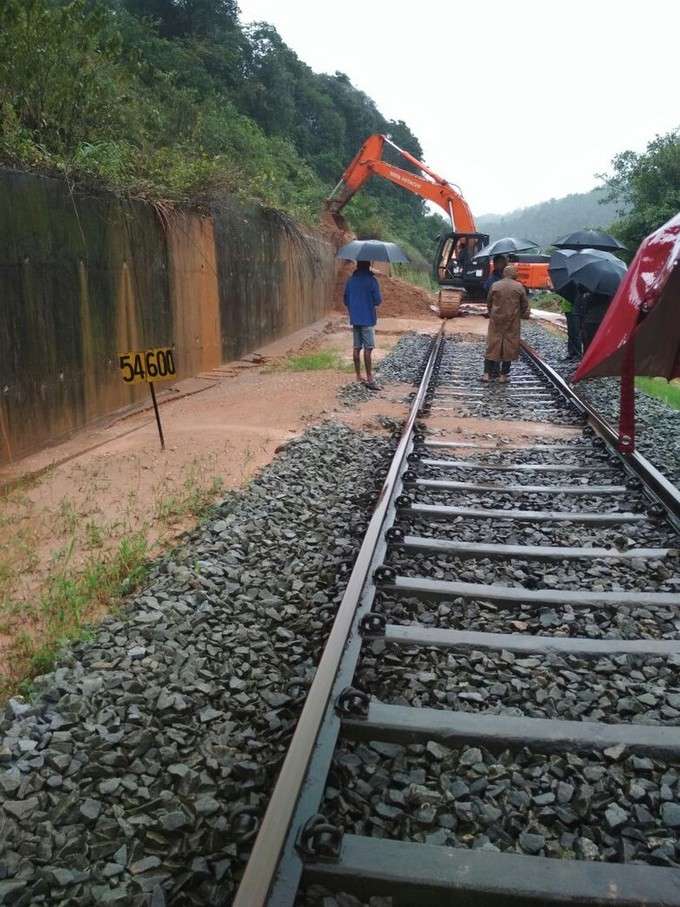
(335,228)
(400,298)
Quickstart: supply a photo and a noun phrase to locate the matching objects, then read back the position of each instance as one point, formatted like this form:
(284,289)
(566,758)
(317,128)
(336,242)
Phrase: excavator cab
(454,266)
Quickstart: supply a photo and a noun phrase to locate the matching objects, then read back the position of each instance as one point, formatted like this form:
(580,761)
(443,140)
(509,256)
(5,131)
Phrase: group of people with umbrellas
(583,269)
(586,274)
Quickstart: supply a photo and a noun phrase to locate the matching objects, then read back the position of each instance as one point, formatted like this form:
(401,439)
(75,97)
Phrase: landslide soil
(400,298)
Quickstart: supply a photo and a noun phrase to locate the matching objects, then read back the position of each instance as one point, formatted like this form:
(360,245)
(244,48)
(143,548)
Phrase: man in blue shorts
(362,297)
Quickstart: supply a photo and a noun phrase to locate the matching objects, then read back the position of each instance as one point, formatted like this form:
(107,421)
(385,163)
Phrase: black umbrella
(558,268)
(505,246)
(371,250)
(589,239)
(597,271)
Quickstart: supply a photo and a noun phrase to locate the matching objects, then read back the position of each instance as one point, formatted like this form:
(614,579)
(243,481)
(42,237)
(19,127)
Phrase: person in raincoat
(507,303)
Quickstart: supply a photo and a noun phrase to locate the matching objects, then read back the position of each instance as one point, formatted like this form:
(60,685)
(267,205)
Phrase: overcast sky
(514,102)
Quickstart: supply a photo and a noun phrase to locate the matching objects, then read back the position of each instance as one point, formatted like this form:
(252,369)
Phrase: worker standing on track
(507,303)
(362,297)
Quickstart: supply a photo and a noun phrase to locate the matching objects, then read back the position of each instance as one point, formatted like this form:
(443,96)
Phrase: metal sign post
(150,366)
(158,415)
(627,399)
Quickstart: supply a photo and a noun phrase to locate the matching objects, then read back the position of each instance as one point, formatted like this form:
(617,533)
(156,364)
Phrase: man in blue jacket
(362,297)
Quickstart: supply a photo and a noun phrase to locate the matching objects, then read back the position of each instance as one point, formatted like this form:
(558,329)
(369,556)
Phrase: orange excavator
(456,266)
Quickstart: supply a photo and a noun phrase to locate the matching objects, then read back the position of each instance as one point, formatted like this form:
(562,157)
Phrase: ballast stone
(21,809)
(116,745)
(670,815)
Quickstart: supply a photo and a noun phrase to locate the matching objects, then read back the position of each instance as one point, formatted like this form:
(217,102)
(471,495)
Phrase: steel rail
(663,492)
(300,784)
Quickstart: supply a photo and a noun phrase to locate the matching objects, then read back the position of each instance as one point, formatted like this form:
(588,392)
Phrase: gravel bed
(603,622)
(354,393)
(598,575)
(645,534)
(491,408)
(604,806)
(658,426)
(318,896)
(631,502)
(616,689)
(497,401)
(134,775)
(464,359)
(574,452)
(604,476)
(404,363)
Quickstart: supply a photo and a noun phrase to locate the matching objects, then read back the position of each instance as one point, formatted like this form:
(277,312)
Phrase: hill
(547,221)
(177,102)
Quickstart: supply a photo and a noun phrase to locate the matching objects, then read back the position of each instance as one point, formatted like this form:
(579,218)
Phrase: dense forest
(176,100)
(545,222)
(645,187)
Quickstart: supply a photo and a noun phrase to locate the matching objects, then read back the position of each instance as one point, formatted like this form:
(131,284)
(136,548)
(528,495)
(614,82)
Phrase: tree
(546,222)
(646,186)
(267,91)
(58,80)
(186,18)
(175,99)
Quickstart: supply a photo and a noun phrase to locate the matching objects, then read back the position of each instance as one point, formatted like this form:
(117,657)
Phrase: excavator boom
(455,267)
(368,161)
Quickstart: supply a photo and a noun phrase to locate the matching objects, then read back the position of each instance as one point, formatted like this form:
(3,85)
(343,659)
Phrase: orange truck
(457,265)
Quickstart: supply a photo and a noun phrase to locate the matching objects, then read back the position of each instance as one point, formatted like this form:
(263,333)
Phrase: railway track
(494,719)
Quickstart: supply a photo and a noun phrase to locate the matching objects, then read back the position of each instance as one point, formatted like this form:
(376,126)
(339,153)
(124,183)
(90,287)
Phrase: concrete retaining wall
(86,276)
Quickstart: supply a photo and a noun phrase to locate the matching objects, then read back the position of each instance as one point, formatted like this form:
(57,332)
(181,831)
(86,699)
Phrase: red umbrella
(646,308)
(640,334)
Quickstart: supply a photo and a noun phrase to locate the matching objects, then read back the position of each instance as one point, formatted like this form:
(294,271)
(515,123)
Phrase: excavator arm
(453,268)
(368,162)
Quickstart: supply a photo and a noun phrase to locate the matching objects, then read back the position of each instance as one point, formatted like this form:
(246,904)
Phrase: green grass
(664,390)
(417,276)
(315,362)
(78,591)
(549,302)
(71,599)
(73,593)
(194,498)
